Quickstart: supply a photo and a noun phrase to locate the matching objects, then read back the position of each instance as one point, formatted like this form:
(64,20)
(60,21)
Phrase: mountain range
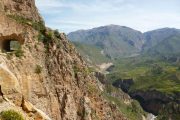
(113,41)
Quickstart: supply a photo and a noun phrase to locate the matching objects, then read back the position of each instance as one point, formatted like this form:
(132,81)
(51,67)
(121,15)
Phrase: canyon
(45,78)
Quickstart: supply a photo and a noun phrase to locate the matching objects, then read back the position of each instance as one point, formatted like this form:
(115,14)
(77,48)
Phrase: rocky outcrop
(152,101)
(49,80)
(25,8)
(123,84)
(74,86)
(170,111)
(101,77)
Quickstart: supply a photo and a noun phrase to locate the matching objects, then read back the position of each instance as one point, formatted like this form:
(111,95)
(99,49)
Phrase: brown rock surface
(25,8)
(63,88)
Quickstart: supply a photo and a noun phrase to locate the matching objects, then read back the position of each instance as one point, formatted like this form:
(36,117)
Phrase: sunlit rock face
(25,8)
(45,80)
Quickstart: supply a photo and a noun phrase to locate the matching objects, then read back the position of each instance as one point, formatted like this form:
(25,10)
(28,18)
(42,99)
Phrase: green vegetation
(76,69)
(39,26)
(38,69)
(46,37)
(155,68)
(120,42)
(167,47)
(13,49)
(50,36)
(178,68)
(11,115)
(170,111)
(17,49)
(56,33)
(92,89)
(164,41)
(148,74)
(91,53)
(131,110)
(115,41)
(18,53)
(43,36)
(85,71)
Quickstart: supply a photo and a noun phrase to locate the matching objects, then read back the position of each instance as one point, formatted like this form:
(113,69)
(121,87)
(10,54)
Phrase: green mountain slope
(115,41)
(168,47)
(153,81)
(155,37)
(92,54)
(119,41)
(152,77)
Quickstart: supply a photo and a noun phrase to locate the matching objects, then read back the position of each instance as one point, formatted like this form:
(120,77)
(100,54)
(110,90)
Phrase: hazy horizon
(123,26)
(142,15)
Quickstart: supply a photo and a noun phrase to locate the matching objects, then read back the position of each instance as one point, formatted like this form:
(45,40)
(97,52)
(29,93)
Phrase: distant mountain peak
(114,40)
(122,41)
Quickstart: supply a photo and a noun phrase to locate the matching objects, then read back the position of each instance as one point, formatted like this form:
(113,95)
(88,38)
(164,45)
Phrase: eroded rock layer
(25,8)
(45,78)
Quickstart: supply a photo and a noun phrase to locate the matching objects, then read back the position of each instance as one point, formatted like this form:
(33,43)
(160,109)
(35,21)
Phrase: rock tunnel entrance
(11,43)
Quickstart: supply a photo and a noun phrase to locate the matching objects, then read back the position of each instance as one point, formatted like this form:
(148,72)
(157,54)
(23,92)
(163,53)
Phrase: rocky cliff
(44,77)
(25,8)
(153,101)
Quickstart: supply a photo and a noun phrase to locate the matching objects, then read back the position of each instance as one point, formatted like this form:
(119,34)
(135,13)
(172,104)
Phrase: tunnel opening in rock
(10,45)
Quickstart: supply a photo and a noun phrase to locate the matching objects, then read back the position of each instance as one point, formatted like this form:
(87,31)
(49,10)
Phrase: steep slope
(167,47)
(25,8)
(153,38)
(115,41)
(91,53)
(155,83)
(42,76)
(152,78)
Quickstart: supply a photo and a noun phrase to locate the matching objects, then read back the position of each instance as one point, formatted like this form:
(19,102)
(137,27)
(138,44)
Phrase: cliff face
(45,78)
(153,101)
(156,102)
(25,8)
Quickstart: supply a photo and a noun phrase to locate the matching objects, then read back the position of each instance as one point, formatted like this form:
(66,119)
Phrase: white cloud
(143,15)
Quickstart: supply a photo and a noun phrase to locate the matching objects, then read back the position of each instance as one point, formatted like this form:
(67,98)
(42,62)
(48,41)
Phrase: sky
(142,15)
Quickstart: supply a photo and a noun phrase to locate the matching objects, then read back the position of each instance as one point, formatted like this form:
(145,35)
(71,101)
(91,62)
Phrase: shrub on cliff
(49,35)
(11,115)
(18,53)
(156,69)
(38,69)
(169,111)
(41,37)
(39,26)
(178,68)
(56,33)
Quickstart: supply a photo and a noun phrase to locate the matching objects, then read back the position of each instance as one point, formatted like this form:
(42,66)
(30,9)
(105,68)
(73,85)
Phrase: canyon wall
(46,78)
